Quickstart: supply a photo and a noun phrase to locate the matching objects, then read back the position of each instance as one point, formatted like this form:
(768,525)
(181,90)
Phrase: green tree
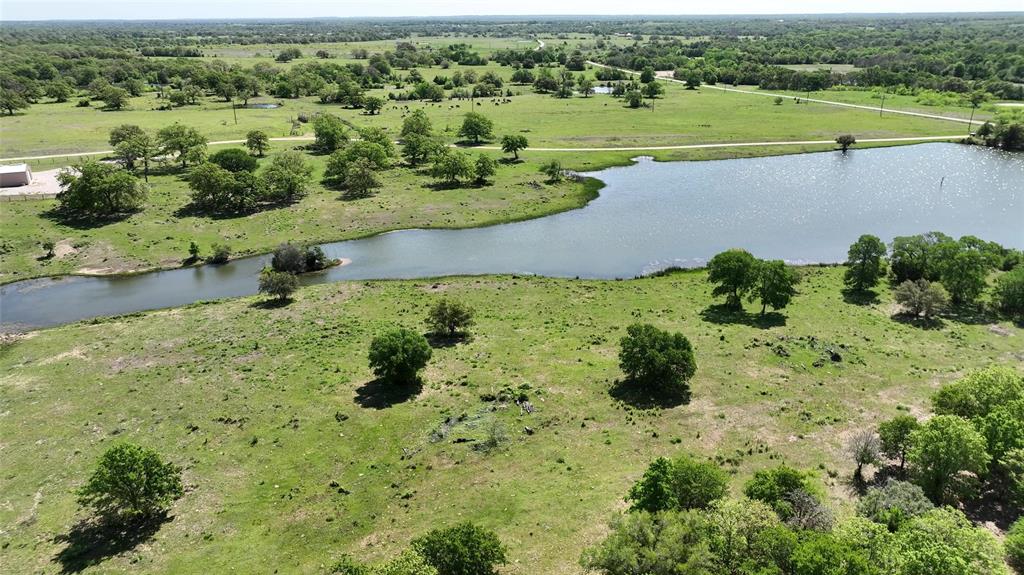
(865,263)
(449,317)
(115,98)
(735,273)
(375,135)
(775,284)
(280,285)
(59,90)
(397,355)
(647,75)
(668,543)
(894,503)
(657,361)
(945,541)
(553,170)
(1014,544)
(217,190)
(484,167)
(512,143)
(653,89)
(824,554)
(979,392)
(330,133)
(288,258)
(131,482)
(775,485)
(450,166)
(418,148)
(220,254)
(288,177)
(476,127)
(963,274)
(416,123)
(634,98)
(921,297)
(942,450)
(373,104)
(1003,429)
(12,101)
(845,141)
(678,484)
(234,160)
(94,189)
(257,142)
(1008,295)
(183,142)
(124,132)
(361,178)
(895,435)
(692,80)
(585,86)
(465,549)
(136,148)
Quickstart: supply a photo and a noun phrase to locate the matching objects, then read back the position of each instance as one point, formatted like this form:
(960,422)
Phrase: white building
(15,175)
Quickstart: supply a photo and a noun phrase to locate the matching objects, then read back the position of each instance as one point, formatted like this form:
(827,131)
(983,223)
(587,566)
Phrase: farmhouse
(15,175)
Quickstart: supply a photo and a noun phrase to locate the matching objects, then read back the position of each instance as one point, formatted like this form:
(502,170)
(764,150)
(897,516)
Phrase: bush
(944,541)
(893,503)
(1014,545)
(921,297)
(288,258)
(979,392)
(657,361)
(220,253)
(281,285)
(679,484)
(316,259)
(944,451)
(649,544)
(466,549)
(330,132)
(449,317)
(553,170)
(234,160)
(774,486)
(131,482)
(398,354)
(864,448)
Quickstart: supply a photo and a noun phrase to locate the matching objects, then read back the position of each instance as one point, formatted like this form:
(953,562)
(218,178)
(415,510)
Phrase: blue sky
(170,9)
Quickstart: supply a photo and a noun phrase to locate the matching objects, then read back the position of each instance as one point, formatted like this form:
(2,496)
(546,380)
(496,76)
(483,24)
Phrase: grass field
(266,407)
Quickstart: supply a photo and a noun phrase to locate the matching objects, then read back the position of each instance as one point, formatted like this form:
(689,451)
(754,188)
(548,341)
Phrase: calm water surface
(800,208)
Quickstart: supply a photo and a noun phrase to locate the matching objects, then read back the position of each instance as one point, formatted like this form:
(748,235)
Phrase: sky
(223,9)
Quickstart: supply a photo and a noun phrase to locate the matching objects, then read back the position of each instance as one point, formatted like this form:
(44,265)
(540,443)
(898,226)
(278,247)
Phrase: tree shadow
(446,186)
(439,341)
(971,314)
(510,161)
(627,392)
(273,303)
(82,222)
(859,297)
(723,314)
(918,321)
(382,394)
(92,541)
(993,506)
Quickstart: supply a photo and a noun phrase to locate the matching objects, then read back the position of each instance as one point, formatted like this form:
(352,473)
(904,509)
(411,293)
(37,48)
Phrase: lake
(803,208)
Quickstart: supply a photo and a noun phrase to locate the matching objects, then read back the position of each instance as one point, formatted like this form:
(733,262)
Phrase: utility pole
(881,106)
(971,121)
(234,111)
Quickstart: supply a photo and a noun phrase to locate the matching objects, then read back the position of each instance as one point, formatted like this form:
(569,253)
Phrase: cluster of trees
(927,269)
(420,144)
(682,520)
(228,182)
(464,549)
(737,274)
(974,443)
(1007,132)
(280,279)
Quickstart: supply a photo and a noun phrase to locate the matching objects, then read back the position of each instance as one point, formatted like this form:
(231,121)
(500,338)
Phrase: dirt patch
(76,353)
(64,248)
(1000,330)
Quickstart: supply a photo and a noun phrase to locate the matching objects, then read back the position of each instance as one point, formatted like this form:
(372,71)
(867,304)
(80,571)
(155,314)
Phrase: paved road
(829,102)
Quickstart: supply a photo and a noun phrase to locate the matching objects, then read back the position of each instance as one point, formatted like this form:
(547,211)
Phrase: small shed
(15,175)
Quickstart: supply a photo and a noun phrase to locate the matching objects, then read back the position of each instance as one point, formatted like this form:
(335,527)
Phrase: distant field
(893,102)
(264,408)
(680,117)
(837,68)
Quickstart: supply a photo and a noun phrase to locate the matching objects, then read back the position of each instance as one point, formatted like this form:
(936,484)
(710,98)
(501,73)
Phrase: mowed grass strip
(265,408)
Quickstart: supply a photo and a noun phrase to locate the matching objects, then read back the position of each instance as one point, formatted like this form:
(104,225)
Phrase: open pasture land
(294,455)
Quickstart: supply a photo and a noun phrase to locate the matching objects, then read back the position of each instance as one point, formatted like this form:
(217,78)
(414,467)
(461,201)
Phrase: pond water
(265,106)
(801,208)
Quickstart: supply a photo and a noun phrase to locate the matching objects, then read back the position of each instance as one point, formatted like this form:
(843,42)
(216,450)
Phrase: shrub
(774,486)
(1014,545)
(823,553)
(465,549)
(220,253)
(281,285)
(679,484)
(398,354)
(330,132)
(657,361)
(234,160)
(864,449)
(649,544)
(553,170)
(315,259)
(131,482)
(287,178)
(449,317)
(921,297)
(1008,295)
(288,258)
(893,503)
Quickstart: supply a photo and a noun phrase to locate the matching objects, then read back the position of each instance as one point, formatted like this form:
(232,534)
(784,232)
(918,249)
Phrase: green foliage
(183,142)
(287,178)
(745,534)
(634,99)
(280,285)
(774,284)
(678,484)
(397,355)
(380,137)
(513,143)
(657,361)
(894,503)
(979,392)
(963,272)
(220,191)
(476,127)
(93,189)
(914,257)
(1003,429)
(416,123)
(484,167)
(131,482)
(1014,544)
(646,543)
(418,148)
(735,272)
(361,178)
(114,98)
(895,436)
(773,486)
(553,170)
(123,133)
(234,160)
(944,541)
(921,297)
(450,166)
(942,450)
(288,258)
(1008,295)
(865,263)
(373,104)
(257,142)
(135,147)
(465,549)
(220,253)
(864,449)
(824,554)
(330,133)
(845,141)
(449,317)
